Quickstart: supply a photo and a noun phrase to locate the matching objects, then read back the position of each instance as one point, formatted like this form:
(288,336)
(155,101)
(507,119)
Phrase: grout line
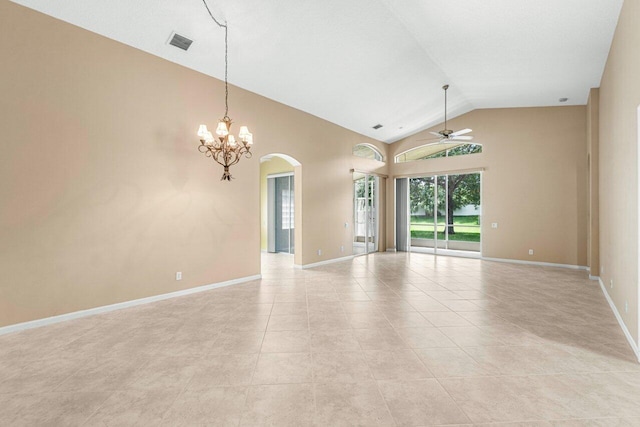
(336,275)
(313,374)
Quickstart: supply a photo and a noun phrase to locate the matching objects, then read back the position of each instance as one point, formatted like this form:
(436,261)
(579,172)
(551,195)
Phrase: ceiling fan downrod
(445,87)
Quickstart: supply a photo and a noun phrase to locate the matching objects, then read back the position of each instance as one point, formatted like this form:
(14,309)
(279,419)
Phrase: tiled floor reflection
(386,339)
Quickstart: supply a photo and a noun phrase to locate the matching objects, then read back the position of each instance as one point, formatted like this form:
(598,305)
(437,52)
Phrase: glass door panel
(372,211)
(359,214)
(284,214)
(441,211)
(463,211)
(423,215)
(365,213)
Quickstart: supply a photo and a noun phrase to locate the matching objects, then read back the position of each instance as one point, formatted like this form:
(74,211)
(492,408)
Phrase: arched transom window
(367,151)
(436,150)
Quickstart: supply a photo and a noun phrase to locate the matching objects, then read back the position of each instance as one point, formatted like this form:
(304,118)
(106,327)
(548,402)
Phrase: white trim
(364,172)
(446,252)
(286,157)
(638,215)
(391,250)
(439,173)
(329,261)
(543,264)
(395,158)
(279,175)
(627,334)
(594,277)
(118,306)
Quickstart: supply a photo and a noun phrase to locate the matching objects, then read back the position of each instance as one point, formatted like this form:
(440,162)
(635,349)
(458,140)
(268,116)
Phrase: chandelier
(224,148)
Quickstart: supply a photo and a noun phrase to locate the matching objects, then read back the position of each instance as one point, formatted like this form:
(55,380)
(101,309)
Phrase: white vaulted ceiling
(358,63)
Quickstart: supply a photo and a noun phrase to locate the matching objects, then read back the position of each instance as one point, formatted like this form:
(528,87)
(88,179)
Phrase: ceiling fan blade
(436,134)
(461,138)
(429,139)
(461,132)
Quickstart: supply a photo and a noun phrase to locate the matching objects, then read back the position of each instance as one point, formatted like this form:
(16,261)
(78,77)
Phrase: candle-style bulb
(222,130)
(202,131)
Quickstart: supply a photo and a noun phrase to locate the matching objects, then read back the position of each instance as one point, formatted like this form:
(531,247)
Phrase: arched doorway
(280,210)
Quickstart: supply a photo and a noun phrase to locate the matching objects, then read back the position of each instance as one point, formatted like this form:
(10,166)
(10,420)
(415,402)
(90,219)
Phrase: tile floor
(388,339)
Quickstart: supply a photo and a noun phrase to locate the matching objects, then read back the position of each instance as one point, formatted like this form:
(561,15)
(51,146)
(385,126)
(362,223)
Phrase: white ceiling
(358,63)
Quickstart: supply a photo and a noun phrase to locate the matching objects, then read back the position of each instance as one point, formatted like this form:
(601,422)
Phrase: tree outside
(462,190)
(459,191)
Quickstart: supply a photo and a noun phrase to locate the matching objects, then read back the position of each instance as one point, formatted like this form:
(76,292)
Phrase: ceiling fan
(447,135)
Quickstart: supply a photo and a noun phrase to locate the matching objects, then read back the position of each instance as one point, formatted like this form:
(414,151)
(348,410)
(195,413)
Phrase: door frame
(375,201)
(446,250)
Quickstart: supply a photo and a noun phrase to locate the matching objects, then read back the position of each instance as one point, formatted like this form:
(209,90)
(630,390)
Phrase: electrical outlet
(319,251)
(346,225)
(530,251)
(179,275)
(342,248)
(611,284)
(494,225)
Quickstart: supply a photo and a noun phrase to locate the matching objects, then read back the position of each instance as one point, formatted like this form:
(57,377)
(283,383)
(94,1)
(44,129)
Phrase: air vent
(378,126)
(180,41)
(563,99)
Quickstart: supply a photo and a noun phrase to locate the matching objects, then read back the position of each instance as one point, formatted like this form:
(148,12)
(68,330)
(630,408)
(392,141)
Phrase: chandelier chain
(226,58)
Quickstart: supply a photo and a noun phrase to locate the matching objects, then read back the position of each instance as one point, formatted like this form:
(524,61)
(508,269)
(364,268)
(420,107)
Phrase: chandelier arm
(233,157)
(216,156)
(208,152)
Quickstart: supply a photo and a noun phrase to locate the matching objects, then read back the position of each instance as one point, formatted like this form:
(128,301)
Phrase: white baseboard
(118,306)
(391,250)
(543,264)
(329,261)
(445,252)
(627,334)
(594,277)
(462,254)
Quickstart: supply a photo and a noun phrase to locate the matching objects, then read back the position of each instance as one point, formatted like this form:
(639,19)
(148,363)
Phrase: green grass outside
(466,228)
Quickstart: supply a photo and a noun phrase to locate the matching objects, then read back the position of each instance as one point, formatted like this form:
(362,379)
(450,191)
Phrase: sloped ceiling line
(362,62)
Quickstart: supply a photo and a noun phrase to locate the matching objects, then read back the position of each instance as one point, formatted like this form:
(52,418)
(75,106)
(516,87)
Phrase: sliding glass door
(446,211)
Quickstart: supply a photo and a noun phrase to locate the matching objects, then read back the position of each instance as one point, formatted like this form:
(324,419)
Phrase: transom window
(436,150)
(367,151)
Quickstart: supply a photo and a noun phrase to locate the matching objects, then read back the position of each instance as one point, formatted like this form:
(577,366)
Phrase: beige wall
(534,183)
(104,195)
(268,167)
(593,196)
(619,101)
